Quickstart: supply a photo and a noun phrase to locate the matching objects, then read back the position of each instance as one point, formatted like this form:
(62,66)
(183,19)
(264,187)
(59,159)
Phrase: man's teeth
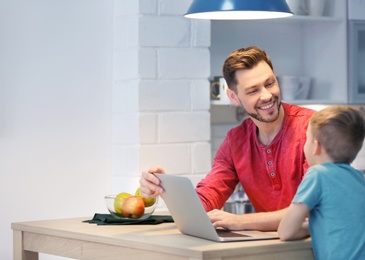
(268,106)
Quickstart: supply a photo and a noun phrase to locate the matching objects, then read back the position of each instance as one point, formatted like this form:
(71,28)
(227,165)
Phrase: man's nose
(265,94)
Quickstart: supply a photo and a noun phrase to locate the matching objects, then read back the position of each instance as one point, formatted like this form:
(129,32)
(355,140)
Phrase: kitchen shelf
(301,45)
(303,19)
(307,18)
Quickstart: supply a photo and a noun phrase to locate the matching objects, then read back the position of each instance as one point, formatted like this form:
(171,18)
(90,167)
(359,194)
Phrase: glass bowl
(137,210)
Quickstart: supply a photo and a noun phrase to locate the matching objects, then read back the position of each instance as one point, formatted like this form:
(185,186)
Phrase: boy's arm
(294,225)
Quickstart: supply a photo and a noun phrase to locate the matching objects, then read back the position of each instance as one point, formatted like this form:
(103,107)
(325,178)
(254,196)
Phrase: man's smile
(267,106)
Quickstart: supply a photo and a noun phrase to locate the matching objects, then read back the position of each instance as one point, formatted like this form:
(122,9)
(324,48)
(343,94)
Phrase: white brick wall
(162,95)
(184,127)
(161,91)
(174,7)
(184,63)
(159,31)
(175,158)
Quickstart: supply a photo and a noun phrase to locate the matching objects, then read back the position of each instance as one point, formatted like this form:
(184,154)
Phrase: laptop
(190,216)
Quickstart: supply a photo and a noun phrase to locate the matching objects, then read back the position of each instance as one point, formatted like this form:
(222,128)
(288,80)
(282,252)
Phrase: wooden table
(74,239)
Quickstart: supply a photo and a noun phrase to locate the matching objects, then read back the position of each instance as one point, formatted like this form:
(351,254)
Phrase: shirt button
(269,162)
(272,174)
(268,151)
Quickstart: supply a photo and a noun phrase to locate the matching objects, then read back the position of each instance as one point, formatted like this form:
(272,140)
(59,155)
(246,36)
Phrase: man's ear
(233,97)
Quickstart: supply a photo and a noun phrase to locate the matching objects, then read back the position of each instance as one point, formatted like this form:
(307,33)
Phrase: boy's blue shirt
(335,193)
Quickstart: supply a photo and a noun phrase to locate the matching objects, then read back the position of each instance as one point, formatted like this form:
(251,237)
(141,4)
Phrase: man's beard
(258,117)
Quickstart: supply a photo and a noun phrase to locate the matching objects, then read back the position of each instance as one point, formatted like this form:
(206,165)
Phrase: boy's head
(339,130)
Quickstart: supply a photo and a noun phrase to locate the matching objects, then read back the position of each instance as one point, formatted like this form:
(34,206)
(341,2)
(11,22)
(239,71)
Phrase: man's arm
(263,221)
(294,225)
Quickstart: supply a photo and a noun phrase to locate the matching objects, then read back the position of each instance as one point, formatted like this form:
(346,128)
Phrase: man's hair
(340,130)
(240,59)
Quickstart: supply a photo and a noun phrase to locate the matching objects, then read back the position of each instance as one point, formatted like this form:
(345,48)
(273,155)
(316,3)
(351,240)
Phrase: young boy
(332,192)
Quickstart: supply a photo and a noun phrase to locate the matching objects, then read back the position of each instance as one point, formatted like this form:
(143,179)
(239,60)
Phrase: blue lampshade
(238,9)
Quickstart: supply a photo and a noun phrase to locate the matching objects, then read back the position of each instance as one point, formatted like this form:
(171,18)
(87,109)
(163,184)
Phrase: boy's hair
(241,59)
(340,130)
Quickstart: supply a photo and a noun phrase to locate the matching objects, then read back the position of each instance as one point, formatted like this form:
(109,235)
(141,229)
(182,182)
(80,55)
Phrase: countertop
(75,239)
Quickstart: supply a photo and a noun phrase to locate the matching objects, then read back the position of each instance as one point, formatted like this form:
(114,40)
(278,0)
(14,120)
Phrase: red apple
(133,207)
(118,201)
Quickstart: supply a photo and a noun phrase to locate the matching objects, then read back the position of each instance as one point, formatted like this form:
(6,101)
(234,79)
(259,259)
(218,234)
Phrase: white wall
(55,110)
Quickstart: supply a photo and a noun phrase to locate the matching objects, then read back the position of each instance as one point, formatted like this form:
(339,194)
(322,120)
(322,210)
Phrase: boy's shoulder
(330,169)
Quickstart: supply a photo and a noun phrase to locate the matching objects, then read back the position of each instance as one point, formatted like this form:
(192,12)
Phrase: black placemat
(108,219)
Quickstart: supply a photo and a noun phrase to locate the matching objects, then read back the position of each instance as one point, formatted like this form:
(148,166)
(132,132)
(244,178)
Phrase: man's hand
(262,221)
(225,220)
(149,183)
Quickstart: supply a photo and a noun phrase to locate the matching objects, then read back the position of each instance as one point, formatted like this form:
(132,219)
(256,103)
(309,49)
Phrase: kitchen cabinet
(356,51)
(300,46)
(356,60)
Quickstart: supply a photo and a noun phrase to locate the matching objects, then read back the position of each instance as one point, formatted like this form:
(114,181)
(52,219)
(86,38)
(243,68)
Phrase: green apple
(148,202)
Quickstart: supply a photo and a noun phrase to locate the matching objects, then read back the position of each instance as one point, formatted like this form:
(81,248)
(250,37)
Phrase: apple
(118,201)
(148,202)
(133,207)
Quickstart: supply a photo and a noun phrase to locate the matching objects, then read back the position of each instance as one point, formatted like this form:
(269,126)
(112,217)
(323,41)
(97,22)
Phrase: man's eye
(252,91)
(270,84)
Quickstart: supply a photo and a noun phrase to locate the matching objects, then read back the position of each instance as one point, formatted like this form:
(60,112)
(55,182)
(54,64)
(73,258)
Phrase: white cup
(294,88)
(218,92)
(316,7)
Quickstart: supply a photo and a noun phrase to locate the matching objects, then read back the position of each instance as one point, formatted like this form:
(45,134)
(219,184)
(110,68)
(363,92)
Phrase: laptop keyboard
(227,233)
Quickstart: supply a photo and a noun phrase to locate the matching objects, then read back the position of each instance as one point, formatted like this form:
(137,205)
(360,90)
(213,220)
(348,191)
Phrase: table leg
(18,251)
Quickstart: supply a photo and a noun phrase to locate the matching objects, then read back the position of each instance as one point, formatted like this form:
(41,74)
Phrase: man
(264,153)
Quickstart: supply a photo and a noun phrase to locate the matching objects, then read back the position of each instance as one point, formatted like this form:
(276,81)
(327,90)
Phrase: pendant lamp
(238,9)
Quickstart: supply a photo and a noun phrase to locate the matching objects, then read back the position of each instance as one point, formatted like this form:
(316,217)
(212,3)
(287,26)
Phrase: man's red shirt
(269,174)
